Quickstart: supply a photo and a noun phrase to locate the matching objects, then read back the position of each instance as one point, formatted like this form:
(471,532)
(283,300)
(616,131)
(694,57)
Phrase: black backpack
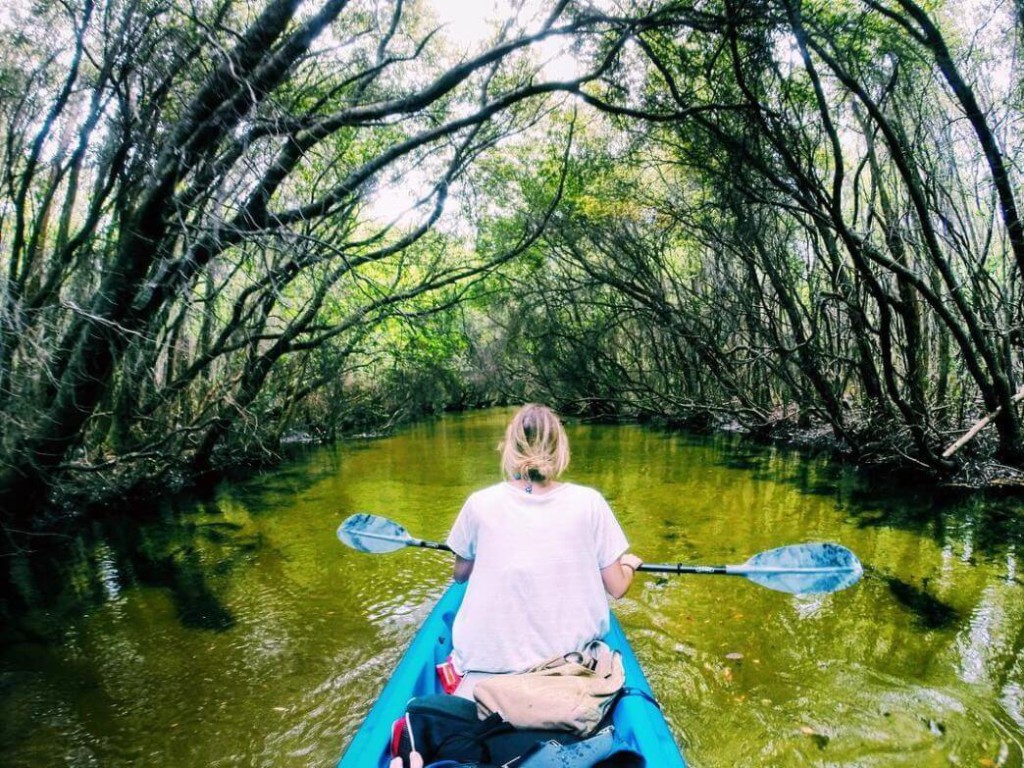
(445,727)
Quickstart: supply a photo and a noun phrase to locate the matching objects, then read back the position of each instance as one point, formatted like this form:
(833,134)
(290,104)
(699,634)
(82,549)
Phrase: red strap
(397,728)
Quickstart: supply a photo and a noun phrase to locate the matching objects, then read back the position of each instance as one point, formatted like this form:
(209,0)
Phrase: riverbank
(106,494)
(973,469)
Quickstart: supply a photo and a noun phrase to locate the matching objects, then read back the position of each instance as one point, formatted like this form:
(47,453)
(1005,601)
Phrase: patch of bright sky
(468,27)
(987,29)
(470,24)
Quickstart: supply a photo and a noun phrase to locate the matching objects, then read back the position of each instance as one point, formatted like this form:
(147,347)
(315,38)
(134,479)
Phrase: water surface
(236,631)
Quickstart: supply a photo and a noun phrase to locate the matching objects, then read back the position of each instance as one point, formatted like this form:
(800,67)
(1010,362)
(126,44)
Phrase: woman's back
(536,589)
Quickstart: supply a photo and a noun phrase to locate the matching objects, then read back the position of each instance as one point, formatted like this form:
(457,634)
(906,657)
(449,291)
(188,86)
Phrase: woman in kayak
(541,556)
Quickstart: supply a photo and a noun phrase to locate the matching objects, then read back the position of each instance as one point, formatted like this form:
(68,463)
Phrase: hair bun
(535,444)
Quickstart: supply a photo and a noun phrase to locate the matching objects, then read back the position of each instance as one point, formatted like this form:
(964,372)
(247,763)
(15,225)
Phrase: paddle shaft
(732,570)
(412,541)
(409,541)
(680,568)
(728,570)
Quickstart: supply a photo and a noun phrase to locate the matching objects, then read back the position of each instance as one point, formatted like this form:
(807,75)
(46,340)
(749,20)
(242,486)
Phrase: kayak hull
(638,721)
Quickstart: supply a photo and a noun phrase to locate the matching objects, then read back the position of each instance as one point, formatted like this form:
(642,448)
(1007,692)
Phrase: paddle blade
(372,533)
(804,568)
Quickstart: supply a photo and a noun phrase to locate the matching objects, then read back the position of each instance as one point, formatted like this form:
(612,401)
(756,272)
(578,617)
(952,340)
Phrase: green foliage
(743,213)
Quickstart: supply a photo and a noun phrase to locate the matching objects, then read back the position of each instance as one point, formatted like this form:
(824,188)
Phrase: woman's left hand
(632,561)
(619,575)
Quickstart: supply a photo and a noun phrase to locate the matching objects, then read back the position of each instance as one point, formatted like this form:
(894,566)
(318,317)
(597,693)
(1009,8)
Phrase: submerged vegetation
(228,225)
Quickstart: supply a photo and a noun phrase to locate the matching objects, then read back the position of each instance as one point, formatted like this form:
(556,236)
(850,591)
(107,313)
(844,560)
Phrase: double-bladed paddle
(797,568)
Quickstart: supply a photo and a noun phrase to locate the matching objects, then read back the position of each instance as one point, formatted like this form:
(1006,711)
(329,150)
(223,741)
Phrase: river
(234,629)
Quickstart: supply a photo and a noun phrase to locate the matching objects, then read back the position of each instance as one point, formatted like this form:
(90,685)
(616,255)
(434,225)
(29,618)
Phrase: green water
(236,630)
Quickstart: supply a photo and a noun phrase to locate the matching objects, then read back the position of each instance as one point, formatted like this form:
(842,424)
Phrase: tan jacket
(566,693)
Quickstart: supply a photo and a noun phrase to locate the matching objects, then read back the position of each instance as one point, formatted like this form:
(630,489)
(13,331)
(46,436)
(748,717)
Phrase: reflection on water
(234,630)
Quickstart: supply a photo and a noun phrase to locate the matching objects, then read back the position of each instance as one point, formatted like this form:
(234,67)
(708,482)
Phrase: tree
(856,241)
(187,208)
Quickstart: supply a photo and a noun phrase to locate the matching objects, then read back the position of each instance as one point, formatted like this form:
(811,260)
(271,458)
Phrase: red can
(448,675)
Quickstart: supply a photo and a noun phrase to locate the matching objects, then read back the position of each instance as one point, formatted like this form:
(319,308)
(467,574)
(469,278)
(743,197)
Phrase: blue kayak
(639,723)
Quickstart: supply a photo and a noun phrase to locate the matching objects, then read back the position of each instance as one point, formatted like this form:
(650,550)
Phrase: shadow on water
(183,574)
(746,462)
(929,612)
(181,544)
(267,492)
(874,498)
(303,467)
(992,526)
(52,583)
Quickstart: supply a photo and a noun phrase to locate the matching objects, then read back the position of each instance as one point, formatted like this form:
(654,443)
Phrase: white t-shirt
(536,589)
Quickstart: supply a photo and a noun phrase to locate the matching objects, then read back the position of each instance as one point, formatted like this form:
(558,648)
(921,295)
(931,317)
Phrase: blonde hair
(535,445)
